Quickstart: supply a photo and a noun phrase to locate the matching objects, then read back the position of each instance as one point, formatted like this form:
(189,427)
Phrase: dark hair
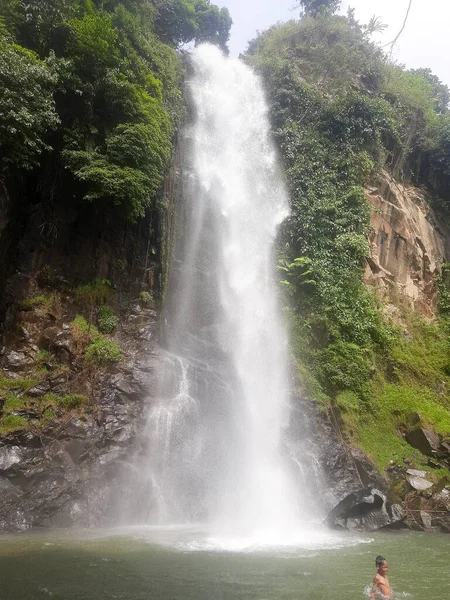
(379,560)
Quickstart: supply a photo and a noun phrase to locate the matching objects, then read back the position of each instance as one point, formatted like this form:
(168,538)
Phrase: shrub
(102,352)
(145,297)
(106,319)
(27,107)
(343,366)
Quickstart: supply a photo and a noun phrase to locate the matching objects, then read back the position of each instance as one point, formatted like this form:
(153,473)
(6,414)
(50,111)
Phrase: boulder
(418,483)
(427,520)
(423,439)
(366,510)
(17,361)
(416,472)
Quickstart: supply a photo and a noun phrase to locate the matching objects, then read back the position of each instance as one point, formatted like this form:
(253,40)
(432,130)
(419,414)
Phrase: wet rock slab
(366,510)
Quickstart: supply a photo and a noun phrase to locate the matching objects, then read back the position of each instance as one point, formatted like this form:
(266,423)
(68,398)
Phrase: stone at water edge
(366,510)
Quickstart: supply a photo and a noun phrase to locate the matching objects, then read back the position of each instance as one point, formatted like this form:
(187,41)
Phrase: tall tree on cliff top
(313,7)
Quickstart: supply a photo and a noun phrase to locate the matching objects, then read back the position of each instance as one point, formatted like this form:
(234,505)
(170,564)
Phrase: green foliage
(343,366)
(44,360)
(13,403)
(314,7)
(145,297)
(11,423)
(298,274)
(102,352)
(105,95)
(92,44)
(91,295)
(33,301)
(180,21)
(81,326)
(443,287)
(72,401)
(27,108)
(340,112)
(107,320)
(378,433)
(19,385)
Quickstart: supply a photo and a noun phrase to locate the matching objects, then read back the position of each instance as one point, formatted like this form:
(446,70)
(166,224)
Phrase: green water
(182,565)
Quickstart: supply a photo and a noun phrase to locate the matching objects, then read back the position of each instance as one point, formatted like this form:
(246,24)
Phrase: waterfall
(216,450)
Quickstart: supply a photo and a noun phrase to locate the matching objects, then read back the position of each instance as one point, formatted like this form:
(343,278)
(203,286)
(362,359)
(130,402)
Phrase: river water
(182,564)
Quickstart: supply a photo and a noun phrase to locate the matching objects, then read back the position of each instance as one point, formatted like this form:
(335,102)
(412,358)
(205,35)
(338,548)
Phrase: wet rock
(17,361)
(423,439)
(10,456)
(426,520)
(39,390)
(416,473)
(366,510)
(58,341)
(418,483)
(8,491)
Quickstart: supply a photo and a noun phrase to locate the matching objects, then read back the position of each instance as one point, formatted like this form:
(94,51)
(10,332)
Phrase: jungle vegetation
(341,112)
(90,95)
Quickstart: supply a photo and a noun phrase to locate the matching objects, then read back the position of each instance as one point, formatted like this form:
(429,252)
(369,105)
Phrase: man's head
(381,564)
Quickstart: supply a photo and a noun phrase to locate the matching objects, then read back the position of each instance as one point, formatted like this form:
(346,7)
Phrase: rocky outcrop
(71,472)
(366,510)
(407,245)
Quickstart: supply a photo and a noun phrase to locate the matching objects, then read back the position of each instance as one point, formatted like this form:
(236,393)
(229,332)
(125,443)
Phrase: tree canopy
(91,89)
(314,7)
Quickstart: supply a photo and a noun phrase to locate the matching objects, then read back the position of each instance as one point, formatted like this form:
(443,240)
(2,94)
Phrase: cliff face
(67,465)
(408,245)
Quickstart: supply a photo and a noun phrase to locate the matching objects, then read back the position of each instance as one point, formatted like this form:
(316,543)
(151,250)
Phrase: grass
(377,429)
(102,352)
(17,385)
(11,423)
(32,301)
(13,403)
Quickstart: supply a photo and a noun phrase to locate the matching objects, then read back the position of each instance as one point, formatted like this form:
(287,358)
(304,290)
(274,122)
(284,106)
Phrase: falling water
(217,453)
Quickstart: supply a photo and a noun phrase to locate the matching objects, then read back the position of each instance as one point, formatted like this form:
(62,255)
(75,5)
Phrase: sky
(424,43)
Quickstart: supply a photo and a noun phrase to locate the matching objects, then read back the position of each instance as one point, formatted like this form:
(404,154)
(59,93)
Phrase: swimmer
(381,587)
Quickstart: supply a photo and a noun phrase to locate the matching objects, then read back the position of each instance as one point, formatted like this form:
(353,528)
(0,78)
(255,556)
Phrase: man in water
(381,587)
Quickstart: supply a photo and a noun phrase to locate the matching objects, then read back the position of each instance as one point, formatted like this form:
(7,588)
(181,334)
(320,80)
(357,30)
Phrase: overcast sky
(424,43)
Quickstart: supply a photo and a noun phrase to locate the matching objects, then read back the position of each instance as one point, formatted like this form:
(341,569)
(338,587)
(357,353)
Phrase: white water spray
(217,453)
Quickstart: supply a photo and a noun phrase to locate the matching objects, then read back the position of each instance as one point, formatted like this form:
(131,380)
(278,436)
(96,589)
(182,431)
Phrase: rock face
(407,246)
(366,510)
(70,474)
(424,439)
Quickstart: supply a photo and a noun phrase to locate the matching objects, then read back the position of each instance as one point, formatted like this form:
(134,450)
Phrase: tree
(180,21)
(314,7)
(27,108)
